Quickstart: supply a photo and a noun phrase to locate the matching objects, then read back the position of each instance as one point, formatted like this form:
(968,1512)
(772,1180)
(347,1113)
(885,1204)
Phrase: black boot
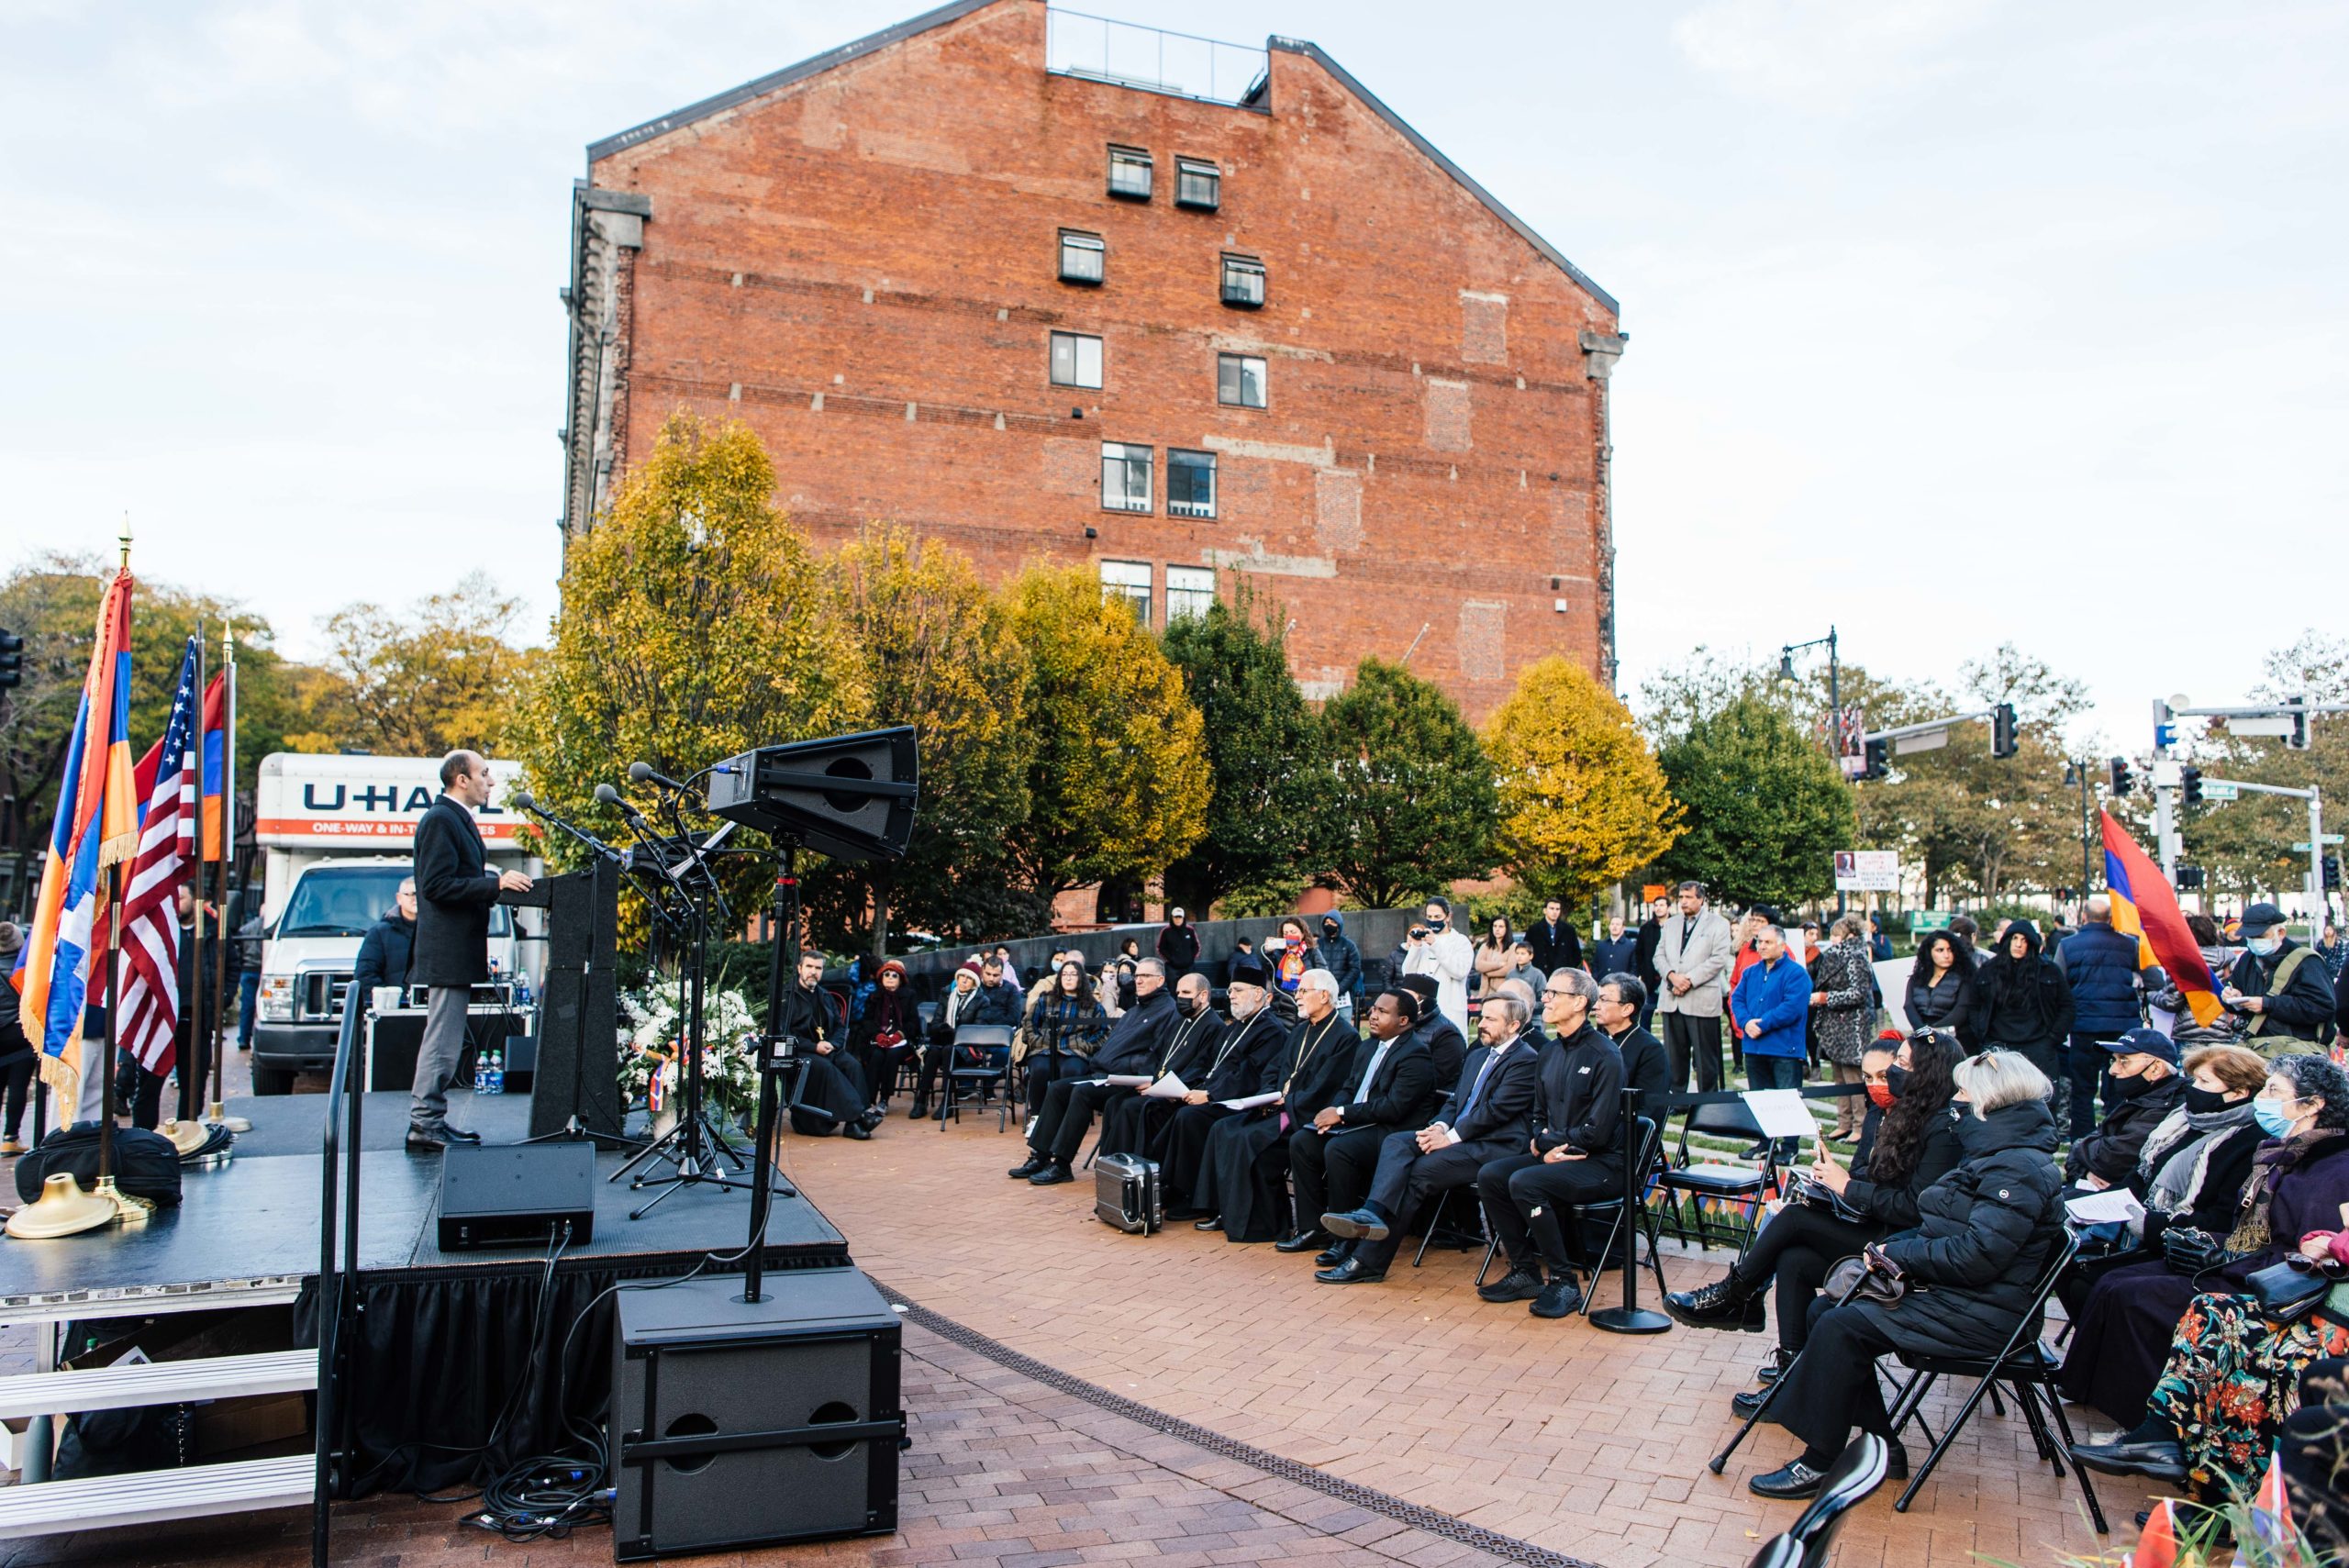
(1727,1302)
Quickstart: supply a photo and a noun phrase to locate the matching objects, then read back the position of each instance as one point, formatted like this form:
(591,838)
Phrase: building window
(1076,360)
(1243,281)
(1197,185)
(1239,381)
(1128,583)
(1130,173)
(1190,486)
(1082,256)
(1189,591)
(1125,477)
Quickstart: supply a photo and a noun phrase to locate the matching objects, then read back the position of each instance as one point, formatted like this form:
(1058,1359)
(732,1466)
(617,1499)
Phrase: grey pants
(437,1057)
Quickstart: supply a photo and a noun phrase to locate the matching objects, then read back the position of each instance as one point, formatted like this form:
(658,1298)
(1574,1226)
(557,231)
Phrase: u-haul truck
(339,833)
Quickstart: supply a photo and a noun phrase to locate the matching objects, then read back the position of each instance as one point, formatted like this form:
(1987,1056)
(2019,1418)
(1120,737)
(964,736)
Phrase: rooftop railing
(1155,61)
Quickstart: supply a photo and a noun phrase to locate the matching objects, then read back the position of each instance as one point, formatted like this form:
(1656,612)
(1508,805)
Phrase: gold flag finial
(126,541)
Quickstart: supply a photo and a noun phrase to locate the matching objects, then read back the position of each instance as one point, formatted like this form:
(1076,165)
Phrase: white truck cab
(340,832)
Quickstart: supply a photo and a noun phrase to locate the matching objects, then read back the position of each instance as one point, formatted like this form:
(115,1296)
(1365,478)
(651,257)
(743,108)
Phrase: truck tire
(273,1080)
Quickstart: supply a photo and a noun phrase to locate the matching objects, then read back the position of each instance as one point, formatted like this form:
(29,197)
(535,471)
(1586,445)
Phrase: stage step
(158,1383)
(149,1496)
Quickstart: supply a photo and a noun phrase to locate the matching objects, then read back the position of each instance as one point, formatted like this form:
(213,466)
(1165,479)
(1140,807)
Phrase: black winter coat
(2305,1003)
(1984,1235)
(383,957)
(1134,1040)
(1643,945)
(998,1003)
(1949,1005)
(2111,1150)
(1554,947)
(1646,1066)
(455,890)
(2023,1001)
(1893,1204)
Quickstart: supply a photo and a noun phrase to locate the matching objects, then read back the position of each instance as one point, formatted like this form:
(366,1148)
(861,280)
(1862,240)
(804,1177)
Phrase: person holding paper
(1574,1155)
(1488,1119)
(1136,1123)
(1246,1152)
(1772,1004)
(1843,1211)
(1392,1094)
(1251,1048)
(1131,1048)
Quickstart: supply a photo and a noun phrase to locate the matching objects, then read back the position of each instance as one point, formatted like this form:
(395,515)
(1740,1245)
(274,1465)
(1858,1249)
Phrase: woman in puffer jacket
(1983,1240)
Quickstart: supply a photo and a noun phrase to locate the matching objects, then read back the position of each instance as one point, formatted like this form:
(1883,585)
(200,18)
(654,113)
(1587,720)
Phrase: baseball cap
(2144,1042)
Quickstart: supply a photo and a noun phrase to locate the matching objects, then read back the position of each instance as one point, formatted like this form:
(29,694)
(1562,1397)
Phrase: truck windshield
(343,901)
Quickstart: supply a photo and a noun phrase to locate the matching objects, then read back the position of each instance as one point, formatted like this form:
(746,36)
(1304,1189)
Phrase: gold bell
(187,1137)
(62,1209)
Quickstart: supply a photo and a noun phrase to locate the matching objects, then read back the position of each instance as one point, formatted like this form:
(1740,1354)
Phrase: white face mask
(2264,946)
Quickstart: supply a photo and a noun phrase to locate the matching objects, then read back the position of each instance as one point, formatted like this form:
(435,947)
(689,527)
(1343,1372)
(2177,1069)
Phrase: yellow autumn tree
(1582,800)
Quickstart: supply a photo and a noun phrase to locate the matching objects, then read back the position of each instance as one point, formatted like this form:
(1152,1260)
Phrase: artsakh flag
(2145,905)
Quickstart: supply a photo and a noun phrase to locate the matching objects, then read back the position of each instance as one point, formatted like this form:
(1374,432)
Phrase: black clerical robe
(1247,1152)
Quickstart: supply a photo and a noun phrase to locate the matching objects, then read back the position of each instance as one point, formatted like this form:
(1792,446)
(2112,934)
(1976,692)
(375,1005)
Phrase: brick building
(1044,287)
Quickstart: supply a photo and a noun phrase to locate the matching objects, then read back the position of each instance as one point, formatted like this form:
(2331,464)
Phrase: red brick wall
(862,266)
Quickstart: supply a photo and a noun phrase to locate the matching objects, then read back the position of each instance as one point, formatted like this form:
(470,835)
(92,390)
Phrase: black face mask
(1897,1079)
(2130,1088)
(1188,1005)
(2200,1101)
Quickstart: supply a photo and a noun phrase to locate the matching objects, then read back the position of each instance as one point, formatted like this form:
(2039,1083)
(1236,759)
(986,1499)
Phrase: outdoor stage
(445,1340)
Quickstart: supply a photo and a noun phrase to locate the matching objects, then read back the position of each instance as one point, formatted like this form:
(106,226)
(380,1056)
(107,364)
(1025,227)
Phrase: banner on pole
(1867,871)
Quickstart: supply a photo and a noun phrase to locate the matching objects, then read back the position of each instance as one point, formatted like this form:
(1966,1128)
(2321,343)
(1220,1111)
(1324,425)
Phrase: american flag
(148,980)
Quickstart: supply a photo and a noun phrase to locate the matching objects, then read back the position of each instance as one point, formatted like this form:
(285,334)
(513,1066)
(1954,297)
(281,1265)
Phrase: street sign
(2304,846)
(1921,920)
(1867,871)
(2218,789)
(1931,740)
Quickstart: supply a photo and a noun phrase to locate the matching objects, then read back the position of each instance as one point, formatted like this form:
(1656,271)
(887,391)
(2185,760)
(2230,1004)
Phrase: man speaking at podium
(455,890)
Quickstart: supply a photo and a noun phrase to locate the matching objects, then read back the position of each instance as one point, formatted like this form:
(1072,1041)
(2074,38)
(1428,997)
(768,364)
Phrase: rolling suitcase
(1125,1194)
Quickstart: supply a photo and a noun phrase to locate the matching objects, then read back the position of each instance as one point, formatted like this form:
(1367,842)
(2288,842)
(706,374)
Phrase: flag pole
(191,1073)
(218,1110)
(127,1208)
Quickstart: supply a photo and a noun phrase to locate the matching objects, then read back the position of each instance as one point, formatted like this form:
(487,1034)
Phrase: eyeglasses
(1560,990)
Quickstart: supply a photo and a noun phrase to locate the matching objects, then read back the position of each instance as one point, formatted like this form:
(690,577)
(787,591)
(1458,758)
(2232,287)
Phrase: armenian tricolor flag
(98,825)
(2144,906)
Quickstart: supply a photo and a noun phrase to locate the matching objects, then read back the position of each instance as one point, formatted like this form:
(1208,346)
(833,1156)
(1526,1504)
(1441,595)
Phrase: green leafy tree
(1265,754)
(694,623)
(939,654)
(1582,801)
(422,683)
(1767,807)
(1118,780)
(2246,844)
(1409,796)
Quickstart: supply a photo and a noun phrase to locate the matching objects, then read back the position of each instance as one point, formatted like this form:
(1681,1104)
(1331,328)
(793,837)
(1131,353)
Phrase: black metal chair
(2027,1366)
(980,1064)
(1688,1184)
(1445,1223)
(1649,1151)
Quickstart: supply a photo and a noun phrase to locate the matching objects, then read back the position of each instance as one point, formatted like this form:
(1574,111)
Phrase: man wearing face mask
(2146,1086)
(1342,958)
(2278,989)
(1137,1124)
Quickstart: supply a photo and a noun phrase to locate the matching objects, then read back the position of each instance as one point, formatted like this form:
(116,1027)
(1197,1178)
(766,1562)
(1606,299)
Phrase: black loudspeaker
(583,917)
(849,796)
(517,1194)
(738,1424)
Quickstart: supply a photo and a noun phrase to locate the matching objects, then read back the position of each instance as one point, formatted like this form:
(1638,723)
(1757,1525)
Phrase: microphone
(608,795)
(640,771)
(522,801)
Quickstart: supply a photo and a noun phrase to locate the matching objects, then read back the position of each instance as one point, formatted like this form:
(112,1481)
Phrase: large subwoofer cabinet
(739,1424)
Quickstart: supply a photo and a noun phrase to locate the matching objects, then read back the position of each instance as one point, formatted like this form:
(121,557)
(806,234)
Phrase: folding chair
(1686,1184)
(991,1045)
(1650,1141)
(2027,1366)
(1442,1218)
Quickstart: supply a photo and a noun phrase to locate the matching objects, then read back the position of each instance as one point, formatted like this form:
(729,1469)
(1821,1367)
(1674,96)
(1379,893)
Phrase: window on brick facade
(1082,257)
(1197,185)
(1189,591)
(1239,381)
(1243,281)
(1076,360)
(1190,486)
(1127,583)
(1125,477)
(1130,173)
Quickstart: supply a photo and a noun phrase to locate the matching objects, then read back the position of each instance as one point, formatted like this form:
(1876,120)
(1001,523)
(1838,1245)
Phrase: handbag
(1857,1278)
(2290,1290)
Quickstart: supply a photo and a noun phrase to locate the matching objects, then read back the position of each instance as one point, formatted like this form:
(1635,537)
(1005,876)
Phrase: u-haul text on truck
(340,835)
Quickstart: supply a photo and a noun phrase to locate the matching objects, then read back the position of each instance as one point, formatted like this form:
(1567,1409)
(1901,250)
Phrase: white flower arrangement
(652,1044)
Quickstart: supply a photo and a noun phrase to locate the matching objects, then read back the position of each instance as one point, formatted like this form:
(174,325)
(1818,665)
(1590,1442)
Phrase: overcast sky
(1953,321)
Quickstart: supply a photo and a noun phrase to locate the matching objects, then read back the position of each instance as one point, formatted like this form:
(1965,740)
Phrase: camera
(1418,933)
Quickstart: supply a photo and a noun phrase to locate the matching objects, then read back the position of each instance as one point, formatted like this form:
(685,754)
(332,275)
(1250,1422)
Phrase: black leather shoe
(460,1135)
(1896,1461)
(1559,1298)
(1796,1480)
(873,1118)
(1212,1222)
(1183,1211)
(1329,1257)
(1051,1175)
(1351,1271)
(1744,1404)
(1356,1225)
(859,1131)
(1029,1167)
(1518,1284)
(2161,1461)
(1303,1241)
(422,1142)
(920,1109)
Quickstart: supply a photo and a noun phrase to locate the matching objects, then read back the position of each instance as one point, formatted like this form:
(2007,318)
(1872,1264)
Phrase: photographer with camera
(1434,949)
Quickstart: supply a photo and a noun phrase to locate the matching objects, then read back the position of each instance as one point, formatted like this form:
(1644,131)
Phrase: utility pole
(1835,708)
(2165,780)
(2315,797)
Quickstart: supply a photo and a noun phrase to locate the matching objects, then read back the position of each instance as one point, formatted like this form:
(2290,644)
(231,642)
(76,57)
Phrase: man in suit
(1130,1052)
(1555,943)
(1341,1146)
(455,890)
(1617,1013)
(1693,956)
(1576,1154)
(1490,1105)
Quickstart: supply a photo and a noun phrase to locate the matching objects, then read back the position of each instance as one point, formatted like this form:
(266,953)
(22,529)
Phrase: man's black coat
(455,890)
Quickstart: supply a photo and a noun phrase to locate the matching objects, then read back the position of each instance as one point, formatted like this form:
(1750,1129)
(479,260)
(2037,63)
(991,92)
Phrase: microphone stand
(1630,1318)
(777,1058)
(575,1130)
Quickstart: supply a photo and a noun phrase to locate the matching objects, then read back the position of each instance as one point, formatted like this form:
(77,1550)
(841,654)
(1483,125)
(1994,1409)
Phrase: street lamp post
(1834,704)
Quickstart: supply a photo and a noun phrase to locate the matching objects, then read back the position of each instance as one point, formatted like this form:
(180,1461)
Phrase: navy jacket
(2101,964)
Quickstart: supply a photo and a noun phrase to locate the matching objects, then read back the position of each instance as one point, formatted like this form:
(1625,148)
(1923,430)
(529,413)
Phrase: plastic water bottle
(496,1071)
(521,989)
(481,1073)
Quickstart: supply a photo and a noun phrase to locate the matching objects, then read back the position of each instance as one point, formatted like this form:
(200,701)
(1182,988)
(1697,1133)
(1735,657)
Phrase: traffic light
(2118,779)
(2188,878)
(2189,785)
(2002,731)
(12,659)
(1877,761)
(2331,872)
(2298,739)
